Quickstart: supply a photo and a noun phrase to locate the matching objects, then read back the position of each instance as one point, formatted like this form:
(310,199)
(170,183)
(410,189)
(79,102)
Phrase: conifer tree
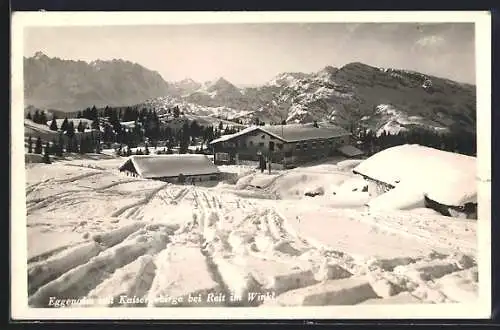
(53,125)
(70,131)
(94,115)
(95,124)
(195,129)
(80,128)
(176,111)
(184,139)
(28,116)
(36,117)
(38,146)
(64,125)
(108,112)
(30,145)
(43,118)
(108,135)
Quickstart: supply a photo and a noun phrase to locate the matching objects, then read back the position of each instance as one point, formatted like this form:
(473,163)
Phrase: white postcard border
(19,306)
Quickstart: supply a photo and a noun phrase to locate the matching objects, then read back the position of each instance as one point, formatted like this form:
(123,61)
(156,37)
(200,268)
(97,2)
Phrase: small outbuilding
(172,168)
(446,180)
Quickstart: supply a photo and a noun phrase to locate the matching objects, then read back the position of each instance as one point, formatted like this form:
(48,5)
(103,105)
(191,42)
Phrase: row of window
(261,144)
(298,146)
(314,144)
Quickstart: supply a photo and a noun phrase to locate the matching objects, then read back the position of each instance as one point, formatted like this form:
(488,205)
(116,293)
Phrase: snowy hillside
(116,240)
(162,104)
(380,99)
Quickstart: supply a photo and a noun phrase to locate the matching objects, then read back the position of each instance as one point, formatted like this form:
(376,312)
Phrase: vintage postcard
(250,165)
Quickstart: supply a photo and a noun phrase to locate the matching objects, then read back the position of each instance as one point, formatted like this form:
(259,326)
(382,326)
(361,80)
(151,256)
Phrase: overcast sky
(248,54)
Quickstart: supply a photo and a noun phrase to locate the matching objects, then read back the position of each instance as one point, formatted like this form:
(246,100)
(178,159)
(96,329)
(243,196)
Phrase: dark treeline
(70,144)
(144,125)
(38,117)
(130,127)
(456,140)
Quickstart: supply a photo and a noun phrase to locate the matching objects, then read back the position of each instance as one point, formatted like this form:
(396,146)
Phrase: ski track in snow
(240,245)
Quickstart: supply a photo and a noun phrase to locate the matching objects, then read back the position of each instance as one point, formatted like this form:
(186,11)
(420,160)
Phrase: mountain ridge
(355,93)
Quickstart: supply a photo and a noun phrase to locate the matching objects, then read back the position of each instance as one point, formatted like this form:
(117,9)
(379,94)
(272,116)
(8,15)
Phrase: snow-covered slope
(162,104)
(380,99)
(105,239)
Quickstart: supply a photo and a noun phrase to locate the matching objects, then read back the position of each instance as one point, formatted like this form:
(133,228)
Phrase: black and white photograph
(251,164)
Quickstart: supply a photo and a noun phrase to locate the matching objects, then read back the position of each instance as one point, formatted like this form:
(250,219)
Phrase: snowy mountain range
(75,85)
(382,99)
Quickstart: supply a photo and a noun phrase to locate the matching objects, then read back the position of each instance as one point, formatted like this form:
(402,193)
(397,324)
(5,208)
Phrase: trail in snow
(177,242)
(144,201)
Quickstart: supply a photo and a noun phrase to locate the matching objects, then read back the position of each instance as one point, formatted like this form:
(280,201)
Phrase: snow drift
(445,177)
(400,198)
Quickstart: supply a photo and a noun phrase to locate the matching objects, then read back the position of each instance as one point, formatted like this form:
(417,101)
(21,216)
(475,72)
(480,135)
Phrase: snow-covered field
(100,237)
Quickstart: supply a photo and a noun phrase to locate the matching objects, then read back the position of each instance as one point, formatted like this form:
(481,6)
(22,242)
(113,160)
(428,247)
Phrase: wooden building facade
(287,144)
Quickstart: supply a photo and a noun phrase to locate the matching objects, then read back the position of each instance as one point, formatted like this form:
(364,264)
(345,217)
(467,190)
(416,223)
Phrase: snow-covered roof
(158,166)
(350,151)
(228,137)
(291,132)
(445,177)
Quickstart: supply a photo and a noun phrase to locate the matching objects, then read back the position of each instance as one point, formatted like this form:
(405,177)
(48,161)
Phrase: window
(313,145)
(251,143)
(288,154)
(263,136)
(261,144)
(304,146)
(297,146)
(280,146)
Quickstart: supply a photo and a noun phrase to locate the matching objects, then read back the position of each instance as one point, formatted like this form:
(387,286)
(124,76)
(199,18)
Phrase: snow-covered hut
(446,180)
(191,167)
